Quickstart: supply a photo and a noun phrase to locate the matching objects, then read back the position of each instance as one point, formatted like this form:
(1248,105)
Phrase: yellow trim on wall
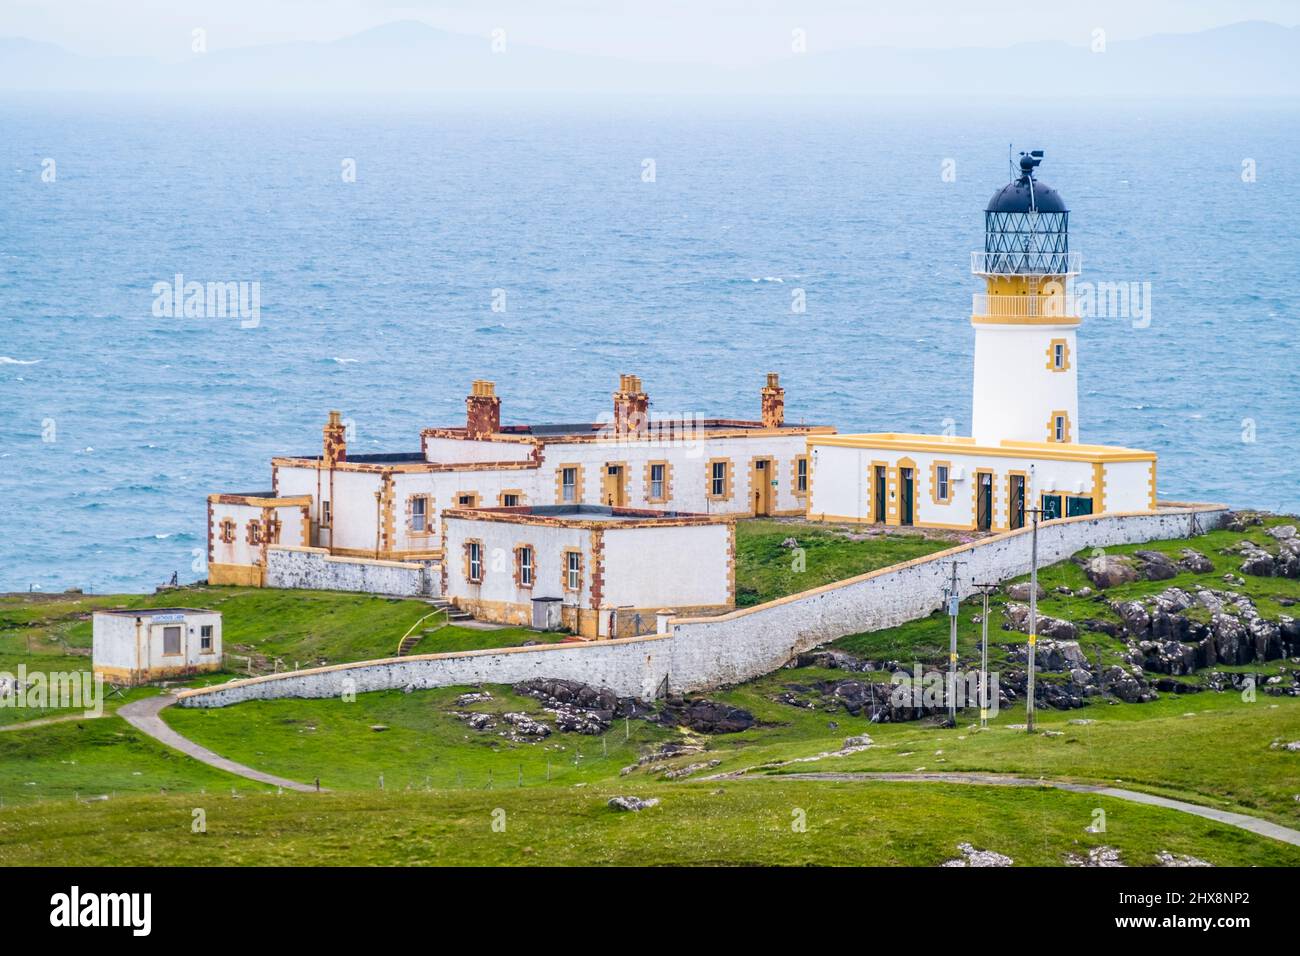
(577,483)
(935,465)
(1065,429)
(728,483)
(1051,355)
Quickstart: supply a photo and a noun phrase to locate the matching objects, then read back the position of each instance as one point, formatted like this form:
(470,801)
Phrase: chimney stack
(482,410)
(773,402)
(335,446)
(631,407)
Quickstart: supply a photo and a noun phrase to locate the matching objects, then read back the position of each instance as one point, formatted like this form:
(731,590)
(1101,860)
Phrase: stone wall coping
(445,655)
(324,553)
(1171,508)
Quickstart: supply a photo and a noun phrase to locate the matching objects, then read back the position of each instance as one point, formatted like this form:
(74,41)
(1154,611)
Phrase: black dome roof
(1014,197)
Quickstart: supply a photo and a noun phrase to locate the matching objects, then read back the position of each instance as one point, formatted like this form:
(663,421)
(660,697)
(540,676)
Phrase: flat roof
(962,445)
(156,611)
(578,515)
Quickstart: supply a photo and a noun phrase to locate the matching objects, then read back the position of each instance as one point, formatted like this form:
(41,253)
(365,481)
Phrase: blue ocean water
(376,295)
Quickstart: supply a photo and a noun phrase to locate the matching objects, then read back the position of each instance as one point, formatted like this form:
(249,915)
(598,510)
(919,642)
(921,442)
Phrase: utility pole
(954,602)
(1033,617)
(987,589)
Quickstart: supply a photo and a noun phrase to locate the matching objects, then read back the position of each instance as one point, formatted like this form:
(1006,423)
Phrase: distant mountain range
(1251,59)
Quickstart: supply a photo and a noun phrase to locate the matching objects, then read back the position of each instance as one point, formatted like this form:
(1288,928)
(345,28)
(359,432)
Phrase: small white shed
(138,646)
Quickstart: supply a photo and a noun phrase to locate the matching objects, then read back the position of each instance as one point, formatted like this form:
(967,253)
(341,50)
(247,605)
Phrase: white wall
(704,653)
(668,567)
(499,540)
(314,569)
(114,641)
(1014,392)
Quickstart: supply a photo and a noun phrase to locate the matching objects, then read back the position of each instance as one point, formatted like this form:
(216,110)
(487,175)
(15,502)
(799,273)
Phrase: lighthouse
(1026,358)
(1024,451)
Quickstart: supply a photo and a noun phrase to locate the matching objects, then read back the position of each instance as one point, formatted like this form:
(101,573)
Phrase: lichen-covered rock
(633,804)
(1195,562)
(973,857)
(1155,565)
(1108,570)
(1020,591)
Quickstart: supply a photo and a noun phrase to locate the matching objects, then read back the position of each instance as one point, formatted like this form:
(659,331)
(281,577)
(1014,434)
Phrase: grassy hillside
(739,823)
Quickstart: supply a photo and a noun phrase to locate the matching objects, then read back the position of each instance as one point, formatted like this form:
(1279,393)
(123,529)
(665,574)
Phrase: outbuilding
(610,570)
(138,646)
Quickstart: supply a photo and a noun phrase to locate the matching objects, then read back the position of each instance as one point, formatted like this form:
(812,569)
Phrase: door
(1077,506)
(1017,503)
(614,492)
(762,481)
(906,484)
(984,502)
(879,514)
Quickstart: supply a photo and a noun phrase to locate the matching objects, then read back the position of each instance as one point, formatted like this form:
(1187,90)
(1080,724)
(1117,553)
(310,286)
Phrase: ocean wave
(6,360)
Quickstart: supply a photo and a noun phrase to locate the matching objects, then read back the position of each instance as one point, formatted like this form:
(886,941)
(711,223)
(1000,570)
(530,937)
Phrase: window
(474,565)
(326,514)
(1058,428)
(524,566)
(419,505)
(1058,355)
(227,531)
(467,499)
(254,532)
(801,475)
(719,479)
(569,484)
(657,483)
(171,640)
(511,499)
(942,486)
(1051,507)
(205,637)
(573,570)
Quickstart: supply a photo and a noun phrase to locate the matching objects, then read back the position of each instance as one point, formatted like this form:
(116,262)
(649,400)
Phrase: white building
(135,647)
(390,506)
(606,572)
(1024,450)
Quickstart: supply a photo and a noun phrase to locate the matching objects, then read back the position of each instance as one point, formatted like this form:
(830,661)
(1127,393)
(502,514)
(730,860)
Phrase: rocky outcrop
(580,708)
(1108,570)
(706,717)
(1194,562)
(1015,617)
(1020,591)
(1155,566)
(632,804)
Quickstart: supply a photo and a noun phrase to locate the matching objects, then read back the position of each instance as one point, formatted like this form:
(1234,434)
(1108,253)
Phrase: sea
(400,249)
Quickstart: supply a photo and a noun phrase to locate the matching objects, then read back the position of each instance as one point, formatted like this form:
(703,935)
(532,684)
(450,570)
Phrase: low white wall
(630,667)
(748,643)
(703,653)
(315,569)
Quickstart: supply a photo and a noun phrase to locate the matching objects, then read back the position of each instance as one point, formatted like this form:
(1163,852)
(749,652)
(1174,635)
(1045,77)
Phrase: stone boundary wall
(707,652)
(315,569)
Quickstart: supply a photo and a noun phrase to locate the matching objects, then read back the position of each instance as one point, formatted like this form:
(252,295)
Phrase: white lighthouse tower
(1026,358)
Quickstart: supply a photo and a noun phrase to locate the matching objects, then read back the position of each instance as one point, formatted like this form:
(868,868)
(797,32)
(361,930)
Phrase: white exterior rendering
(389,507)
(135,647)
(611,570)
(1022,381)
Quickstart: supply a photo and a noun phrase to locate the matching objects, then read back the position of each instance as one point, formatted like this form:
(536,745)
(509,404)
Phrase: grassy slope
(765,570)
(1220,756)
(745,822)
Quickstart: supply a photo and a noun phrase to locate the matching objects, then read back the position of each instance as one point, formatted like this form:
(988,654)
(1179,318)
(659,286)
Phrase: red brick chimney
(482,410)
(631,407)
(335,445)
(773,401)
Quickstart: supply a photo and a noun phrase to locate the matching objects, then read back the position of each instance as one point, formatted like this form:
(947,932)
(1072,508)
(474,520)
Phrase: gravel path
(143,716)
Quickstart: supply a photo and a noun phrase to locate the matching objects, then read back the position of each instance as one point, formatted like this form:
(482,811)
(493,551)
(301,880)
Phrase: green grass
(765,570)
(95,757)
(734,823)
(423,745)
(442,779)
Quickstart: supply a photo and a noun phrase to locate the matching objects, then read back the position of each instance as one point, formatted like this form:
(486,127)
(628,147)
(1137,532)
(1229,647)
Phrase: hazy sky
(721,31)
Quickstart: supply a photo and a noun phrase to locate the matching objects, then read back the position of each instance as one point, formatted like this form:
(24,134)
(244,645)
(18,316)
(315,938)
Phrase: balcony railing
(1024,306)
(1025,263)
